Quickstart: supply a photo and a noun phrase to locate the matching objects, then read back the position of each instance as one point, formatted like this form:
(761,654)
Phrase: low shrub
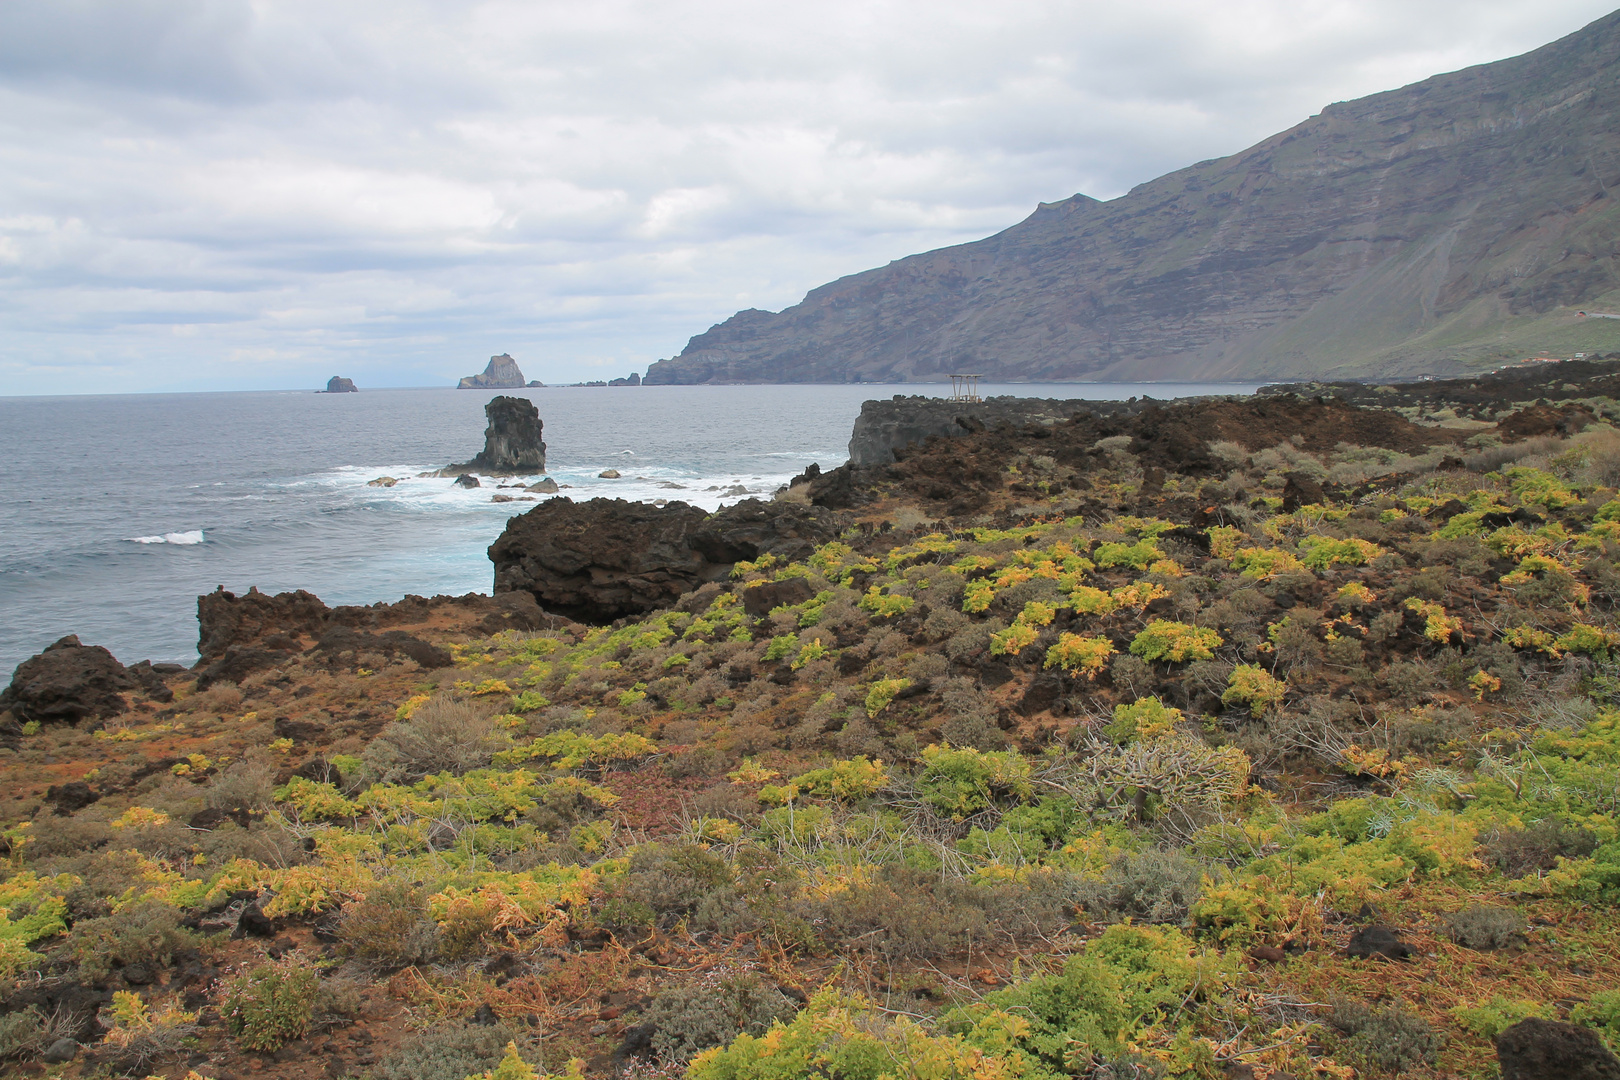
(1485,926)
(1391,1039)
(1176,642)
(148,932)
(905,913)
(1254,686)
(1149,886)
(139,1035)
(442,735)
(390,926)
(1537,847)
(25,1033)
(1145,718)
(1602,1013)
(271,1004)
(662,884)
(446,1052)
(960,782)
(1489,1019)
(1130,977)
(712,1012)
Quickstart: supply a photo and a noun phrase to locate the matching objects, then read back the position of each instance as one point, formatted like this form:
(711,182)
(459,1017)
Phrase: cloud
(218,193)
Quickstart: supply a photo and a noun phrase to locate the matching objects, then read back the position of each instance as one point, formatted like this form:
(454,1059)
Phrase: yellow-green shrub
(1163,639)
(961,781)
(855,778)
(882,693)
(1254,686)
(1145,718)
(1322,552)
(1077,654)
(845,1037)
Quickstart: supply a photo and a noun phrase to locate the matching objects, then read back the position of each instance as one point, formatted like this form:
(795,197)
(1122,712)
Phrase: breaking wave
(195,536)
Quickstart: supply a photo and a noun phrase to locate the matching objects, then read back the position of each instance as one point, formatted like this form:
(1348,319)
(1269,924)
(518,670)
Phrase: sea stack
(501,374)
(512,442)
(337,384)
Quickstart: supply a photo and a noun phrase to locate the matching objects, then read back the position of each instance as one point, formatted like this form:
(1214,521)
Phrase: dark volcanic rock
(763,599)
(254,923)
(151,680)
(225,619)
(1550,1050)
(1534,420)
(512,441)
(71,796)
(751,528)
(341,640)
(1381,941)
(884,426)
(238,662)
(607,558)
(339,385)
(601,559)
(1301,490)
(501,374)
(68,682)
(241,635)
(467,480)
(60,1052)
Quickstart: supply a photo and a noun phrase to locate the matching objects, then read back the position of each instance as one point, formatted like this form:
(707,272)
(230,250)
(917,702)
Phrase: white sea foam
(650,484)
(195,536)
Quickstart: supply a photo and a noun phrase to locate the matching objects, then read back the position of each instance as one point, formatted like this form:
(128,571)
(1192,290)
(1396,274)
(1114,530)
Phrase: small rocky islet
(1268,736)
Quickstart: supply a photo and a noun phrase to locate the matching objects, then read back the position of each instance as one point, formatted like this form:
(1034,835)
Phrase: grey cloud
(231,193)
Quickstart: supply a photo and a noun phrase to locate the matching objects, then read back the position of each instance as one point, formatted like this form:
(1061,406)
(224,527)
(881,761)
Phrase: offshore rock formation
(600,560)
(501,374)
(337,384)
(512,442)
(1446,225)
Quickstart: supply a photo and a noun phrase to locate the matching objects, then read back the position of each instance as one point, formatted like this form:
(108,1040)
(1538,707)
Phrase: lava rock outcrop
(66,683)
(604,559)
(241,635)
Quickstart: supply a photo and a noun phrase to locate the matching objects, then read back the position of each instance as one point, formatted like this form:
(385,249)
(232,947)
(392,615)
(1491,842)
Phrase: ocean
(119,510)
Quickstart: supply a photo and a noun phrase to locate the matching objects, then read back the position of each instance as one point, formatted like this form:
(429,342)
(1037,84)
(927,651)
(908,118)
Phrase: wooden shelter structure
(965,387)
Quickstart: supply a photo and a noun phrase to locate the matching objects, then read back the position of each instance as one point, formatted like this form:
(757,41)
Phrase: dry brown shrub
(443,735)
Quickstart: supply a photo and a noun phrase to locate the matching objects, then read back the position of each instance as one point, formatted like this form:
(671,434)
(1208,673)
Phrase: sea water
(117,511)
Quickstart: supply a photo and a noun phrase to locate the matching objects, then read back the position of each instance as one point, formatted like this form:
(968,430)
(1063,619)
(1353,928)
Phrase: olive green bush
(147,932)
(271,1004)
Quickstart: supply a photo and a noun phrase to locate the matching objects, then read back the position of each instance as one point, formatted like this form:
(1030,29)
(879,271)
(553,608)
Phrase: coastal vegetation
(1305,766)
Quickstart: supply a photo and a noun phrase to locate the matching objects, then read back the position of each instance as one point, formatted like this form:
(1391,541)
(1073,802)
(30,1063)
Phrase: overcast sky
(220,194)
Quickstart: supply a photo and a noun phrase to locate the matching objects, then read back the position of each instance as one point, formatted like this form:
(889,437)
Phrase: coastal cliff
(1448,225)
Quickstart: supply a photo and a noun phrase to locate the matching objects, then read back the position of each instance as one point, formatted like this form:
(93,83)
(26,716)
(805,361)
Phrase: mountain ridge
(1448,225)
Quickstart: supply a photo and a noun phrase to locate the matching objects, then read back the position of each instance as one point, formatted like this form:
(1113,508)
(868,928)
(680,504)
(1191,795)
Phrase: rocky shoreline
(1222,702)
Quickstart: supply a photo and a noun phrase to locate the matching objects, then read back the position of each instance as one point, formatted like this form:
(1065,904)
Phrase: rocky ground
(1248,738)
